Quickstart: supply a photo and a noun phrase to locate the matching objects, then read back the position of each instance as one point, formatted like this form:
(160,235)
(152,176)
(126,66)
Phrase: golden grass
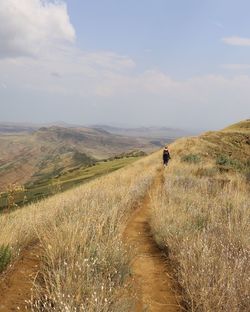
(85,265)
(201,217)
(242,126)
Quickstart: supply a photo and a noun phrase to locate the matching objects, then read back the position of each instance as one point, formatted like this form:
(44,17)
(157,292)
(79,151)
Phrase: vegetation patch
(5,256)
(225,162)
(128,155)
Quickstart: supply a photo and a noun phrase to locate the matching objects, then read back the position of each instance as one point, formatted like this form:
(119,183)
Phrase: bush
(225,161)
(222,160)
(15,193)
(191,158)
(5,256)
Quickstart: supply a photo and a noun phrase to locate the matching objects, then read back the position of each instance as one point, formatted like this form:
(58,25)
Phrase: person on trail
(166,156)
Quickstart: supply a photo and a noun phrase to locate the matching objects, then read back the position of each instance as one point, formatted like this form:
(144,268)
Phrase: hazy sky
(181,63)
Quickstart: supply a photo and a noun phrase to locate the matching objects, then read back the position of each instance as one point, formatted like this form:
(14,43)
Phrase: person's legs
(165,162)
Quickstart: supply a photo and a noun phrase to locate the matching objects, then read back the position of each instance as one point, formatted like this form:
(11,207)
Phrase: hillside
(144,238)
(11,128)
(242,126)
(16,196)
(226,150)
(30,157)
(200,218)
(74,239)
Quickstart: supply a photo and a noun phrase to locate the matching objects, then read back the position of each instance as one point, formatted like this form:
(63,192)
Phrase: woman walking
(166,156)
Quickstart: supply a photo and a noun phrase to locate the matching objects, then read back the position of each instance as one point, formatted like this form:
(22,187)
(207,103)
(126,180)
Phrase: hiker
(166,156)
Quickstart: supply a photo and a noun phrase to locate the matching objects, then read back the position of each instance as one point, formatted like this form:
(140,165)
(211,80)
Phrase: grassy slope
(85,265)
(201,218)
(232,143)
(201,214)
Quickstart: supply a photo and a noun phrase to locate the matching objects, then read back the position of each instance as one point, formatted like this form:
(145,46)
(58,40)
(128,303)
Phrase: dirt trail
(15,288)
(151,273)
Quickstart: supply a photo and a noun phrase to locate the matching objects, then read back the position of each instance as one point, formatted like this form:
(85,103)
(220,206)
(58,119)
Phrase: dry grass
(201,217)
(85,265)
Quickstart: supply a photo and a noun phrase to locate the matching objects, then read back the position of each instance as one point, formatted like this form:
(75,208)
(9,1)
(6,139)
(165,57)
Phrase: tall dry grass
(85,264)
(202,219)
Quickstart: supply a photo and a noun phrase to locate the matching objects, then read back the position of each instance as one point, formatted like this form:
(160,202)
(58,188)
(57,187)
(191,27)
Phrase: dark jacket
(166,155)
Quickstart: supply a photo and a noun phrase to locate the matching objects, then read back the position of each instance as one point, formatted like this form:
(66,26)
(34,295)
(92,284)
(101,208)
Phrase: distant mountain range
(146,132)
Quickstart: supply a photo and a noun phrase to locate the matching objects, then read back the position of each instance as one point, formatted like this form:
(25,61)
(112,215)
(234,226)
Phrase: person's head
(166,147)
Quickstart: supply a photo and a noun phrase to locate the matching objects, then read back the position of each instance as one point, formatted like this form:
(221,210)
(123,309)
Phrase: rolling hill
(143,237)
(156,133)
(29,155)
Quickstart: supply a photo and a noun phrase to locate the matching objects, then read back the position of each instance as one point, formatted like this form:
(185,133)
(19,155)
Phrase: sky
(174,63)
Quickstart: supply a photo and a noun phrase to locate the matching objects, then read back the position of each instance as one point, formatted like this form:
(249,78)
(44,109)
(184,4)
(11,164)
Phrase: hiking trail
(16,284)
(151,273)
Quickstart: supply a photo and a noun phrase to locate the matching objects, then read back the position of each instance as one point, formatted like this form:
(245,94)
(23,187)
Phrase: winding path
(151,273)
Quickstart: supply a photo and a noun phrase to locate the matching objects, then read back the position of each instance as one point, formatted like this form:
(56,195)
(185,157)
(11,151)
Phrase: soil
(16,284)
(152,275)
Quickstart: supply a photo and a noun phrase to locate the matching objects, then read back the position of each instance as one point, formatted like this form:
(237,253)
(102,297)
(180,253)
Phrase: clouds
(38,52)
(109,60)
(32,27)
(70,72)
(91,87)
(237,41)
(44,74)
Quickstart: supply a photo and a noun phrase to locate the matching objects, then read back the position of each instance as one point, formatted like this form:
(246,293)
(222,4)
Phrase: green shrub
(225,161)
(5,256)
(222,160)
(191,158)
